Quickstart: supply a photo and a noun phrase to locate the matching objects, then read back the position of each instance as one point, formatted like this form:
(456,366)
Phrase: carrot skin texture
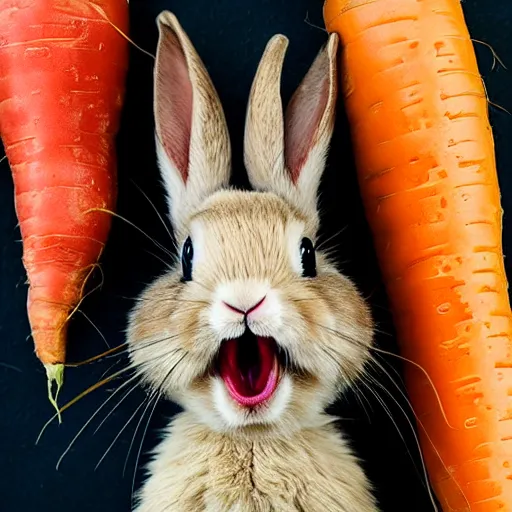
(424,153)
(62,80)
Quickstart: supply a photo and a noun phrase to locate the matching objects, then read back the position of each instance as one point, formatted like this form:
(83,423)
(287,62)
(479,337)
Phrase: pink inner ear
(174,102)
(303,116)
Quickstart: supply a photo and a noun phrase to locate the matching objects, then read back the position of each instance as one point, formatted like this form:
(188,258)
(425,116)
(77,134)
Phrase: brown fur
(219,473)
(284,454)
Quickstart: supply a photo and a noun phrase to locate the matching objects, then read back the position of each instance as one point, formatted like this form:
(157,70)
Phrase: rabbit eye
(307,254)
(187,256)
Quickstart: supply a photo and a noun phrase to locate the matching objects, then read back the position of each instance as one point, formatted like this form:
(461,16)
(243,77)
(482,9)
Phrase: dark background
(230,37)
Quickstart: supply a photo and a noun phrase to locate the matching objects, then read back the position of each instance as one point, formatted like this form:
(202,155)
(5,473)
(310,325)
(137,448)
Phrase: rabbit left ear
(193,145)
(287,156)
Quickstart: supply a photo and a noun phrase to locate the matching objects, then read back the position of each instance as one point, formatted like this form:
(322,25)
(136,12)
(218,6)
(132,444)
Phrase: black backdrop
(230,37)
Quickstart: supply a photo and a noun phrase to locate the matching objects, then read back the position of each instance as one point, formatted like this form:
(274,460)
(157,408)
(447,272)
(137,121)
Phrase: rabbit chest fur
(196,469)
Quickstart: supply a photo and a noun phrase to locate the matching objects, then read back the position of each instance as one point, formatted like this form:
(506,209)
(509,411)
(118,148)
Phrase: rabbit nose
(249,310)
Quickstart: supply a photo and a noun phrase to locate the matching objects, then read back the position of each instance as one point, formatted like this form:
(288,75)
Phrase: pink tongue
(250,378)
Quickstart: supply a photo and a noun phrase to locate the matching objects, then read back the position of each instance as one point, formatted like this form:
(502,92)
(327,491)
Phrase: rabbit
(253,332)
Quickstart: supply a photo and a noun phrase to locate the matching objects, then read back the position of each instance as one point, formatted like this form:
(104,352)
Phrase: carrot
(426,167)
(62,79)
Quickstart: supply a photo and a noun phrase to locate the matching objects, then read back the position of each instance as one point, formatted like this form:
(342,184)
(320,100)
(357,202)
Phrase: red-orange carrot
(62,80)
(427,173)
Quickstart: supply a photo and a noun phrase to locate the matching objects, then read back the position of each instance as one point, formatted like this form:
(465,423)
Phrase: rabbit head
(253,328)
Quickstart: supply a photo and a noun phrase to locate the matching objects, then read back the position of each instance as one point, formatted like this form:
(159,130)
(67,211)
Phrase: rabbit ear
(264,135)
(193,145)
(288,156)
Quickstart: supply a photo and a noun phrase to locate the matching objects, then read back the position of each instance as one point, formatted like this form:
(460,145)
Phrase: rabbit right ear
(286,153)
(193,147)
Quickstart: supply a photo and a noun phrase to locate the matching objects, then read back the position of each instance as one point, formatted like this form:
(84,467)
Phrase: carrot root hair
(103,14)
(495,56)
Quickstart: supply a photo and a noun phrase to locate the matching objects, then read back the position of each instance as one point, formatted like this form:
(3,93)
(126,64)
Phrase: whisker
(83,296)
(157,396)
(98,357)
(305,299)
(386,409)
(375,361)
(388,412)
(151,343)
(330,352)
(146,364)
(120,432)
(424,477)
(380,331)
(88,422)
(130,223)
(110,368)
(325,242)
(353,340)
(112,352)
(359,395)
(166,314)
(169,373)
(442,462)
(125,349)
(381,367)
(125,345)
(94,326)
(122,399)
(171,300)
(167,265)
(149,401)
(420,423)
(157,212)
(10,367)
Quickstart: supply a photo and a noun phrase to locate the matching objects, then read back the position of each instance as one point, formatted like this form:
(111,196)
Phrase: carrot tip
(55,374)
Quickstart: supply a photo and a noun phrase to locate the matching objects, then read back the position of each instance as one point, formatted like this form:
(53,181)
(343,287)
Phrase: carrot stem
(55,379)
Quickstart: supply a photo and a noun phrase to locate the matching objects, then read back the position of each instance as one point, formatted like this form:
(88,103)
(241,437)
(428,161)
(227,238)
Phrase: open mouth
(249,367)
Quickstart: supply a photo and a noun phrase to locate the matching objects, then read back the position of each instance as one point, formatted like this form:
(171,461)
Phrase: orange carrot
(425,157)
(62,79)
